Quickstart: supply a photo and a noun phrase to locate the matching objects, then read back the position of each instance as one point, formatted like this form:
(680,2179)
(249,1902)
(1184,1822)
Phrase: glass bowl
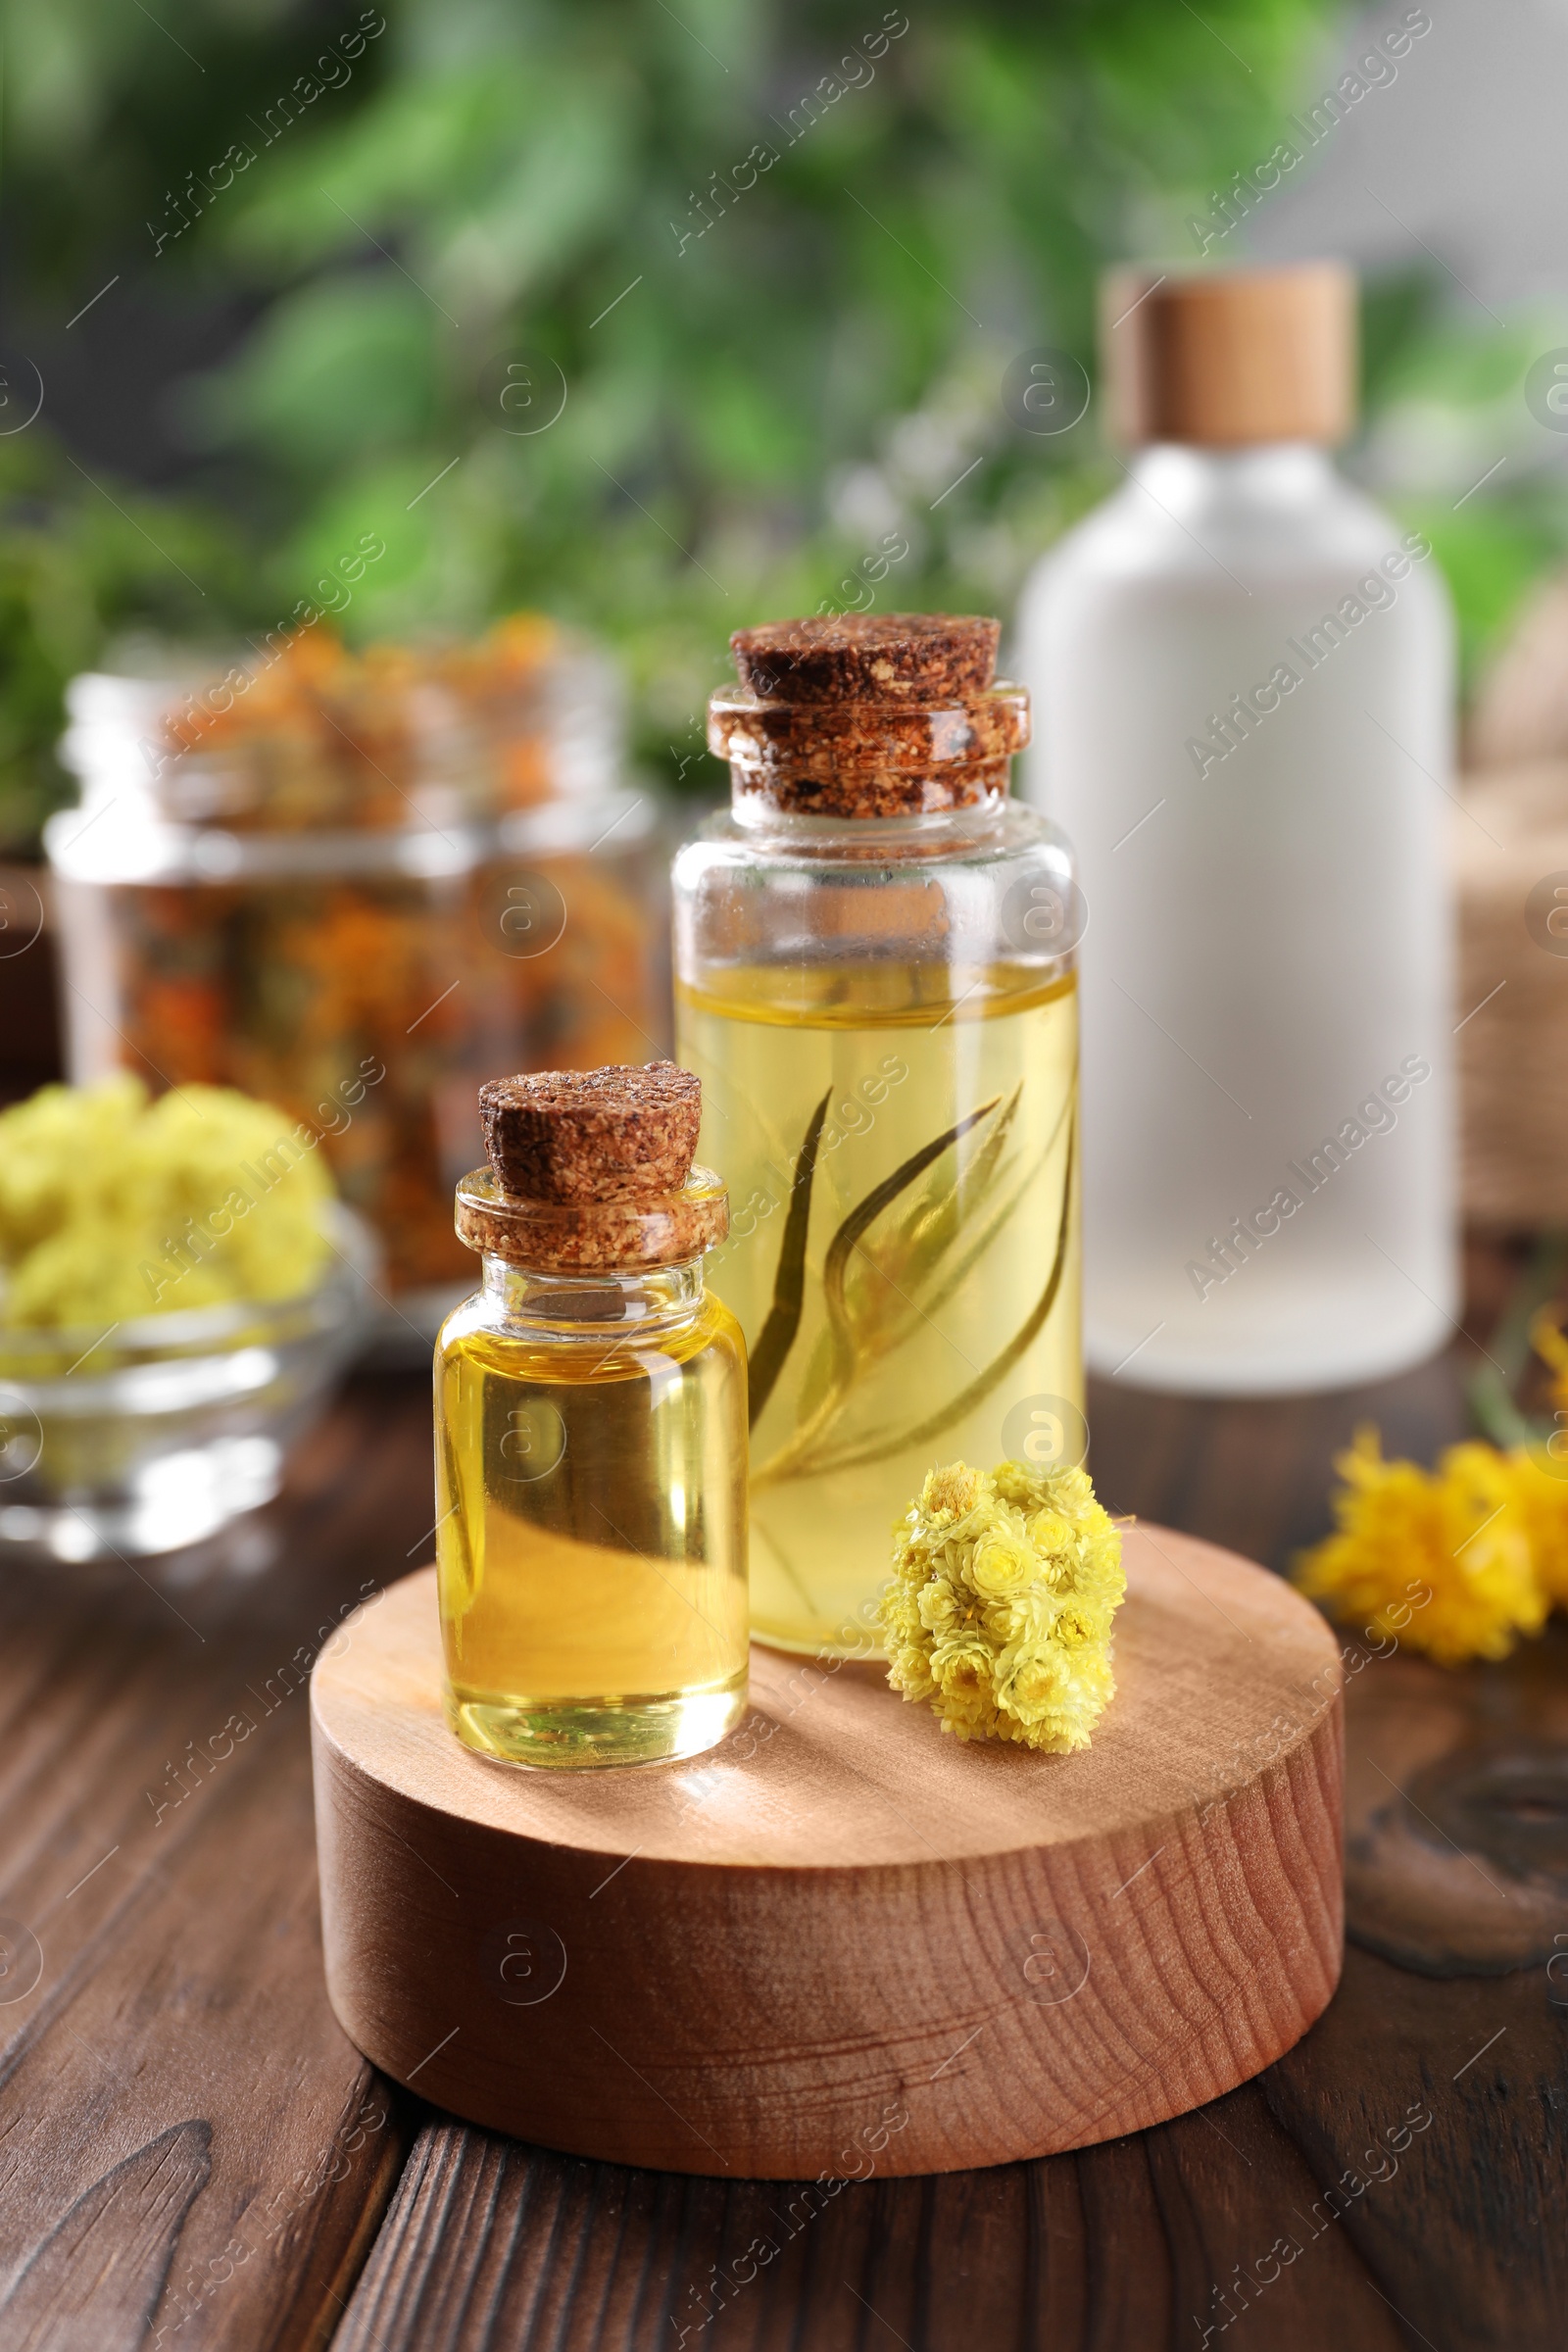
(156,1433)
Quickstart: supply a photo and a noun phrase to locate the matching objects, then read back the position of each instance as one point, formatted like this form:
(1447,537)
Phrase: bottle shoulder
(469,1314)
(723,1328)
(934,915)
(1215,528)
(481,1334)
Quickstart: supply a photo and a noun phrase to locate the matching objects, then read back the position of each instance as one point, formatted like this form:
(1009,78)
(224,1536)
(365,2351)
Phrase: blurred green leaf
(782,255)
(343,364)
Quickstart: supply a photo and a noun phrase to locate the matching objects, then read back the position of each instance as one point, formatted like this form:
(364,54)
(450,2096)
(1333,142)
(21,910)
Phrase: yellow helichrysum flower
(113,1208)
(1459,1531)
(1000,1605)
(1541,1471)
(1540,1491)
(1551,1344)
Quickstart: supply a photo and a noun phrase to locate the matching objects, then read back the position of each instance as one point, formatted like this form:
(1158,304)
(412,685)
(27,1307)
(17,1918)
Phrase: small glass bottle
(590,1416)
(1242,679)
(874,957)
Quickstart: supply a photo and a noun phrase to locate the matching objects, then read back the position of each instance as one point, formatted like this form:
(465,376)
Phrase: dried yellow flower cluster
(1001,1606)
(113,1208)
(1486,1533)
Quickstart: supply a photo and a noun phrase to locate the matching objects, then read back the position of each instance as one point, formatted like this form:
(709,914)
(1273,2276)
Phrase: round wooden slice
(842,1942)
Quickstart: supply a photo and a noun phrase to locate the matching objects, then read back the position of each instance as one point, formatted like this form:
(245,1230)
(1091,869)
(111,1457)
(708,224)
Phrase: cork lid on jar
(1232,356)
(865,657)
(591,1171)
(869,714)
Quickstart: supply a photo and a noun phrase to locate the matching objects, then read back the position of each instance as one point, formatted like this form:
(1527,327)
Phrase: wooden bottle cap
(591,1171)
(1226,358)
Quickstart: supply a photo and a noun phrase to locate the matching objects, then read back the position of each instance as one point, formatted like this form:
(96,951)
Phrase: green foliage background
(815,369)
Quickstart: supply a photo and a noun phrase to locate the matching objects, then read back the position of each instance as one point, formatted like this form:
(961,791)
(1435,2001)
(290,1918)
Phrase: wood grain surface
(843,1934)
(176,2103)
(191,2147)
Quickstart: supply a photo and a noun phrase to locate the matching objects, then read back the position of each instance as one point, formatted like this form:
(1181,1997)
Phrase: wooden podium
(843,1941)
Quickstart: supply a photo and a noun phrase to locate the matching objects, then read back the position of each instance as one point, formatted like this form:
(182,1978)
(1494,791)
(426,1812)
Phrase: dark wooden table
(192,2154)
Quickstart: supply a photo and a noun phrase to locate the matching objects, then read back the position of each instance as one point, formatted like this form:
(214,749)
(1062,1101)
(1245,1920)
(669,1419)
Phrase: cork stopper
(867,714)
(591,1171)
(615,1134)
(1225,358)
(869,657)
(812,737)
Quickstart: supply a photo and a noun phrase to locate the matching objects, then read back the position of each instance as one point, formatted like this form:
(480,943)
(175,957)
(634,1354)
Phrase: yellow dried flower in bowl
(1004,1585)
(113,1206)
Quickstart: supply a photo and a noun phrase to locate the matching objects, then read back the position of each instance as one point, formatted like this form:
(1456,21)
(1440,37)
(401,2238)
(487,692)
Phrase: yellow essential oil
(907,1280)
(589,1411)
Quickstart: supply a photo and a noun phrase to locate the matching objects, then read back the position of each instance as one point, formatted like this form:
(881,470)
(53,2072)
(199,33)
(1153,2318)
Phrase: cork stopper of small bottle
(591,1171)
(1226,358)
(869,714)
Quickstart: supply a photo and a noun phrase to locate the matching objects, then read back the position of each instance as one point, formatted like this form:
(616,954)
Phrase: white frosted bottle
(1242,675)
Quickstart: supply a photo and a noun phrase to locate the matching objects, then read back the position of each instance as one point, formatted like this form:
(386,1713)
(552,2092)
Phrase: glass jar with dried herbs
(875,983)
(417,861)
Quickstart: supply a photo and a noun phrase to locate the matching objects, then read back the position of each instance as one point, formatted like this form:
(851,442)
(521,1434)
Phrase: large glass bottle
(875,955)
(1241,677)
(590,1410)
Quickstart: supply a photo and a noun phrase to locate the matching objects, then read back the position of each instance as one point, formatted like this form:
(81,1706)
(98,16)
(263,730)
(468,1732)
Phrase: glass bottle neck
(937,833)
(573,1307)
